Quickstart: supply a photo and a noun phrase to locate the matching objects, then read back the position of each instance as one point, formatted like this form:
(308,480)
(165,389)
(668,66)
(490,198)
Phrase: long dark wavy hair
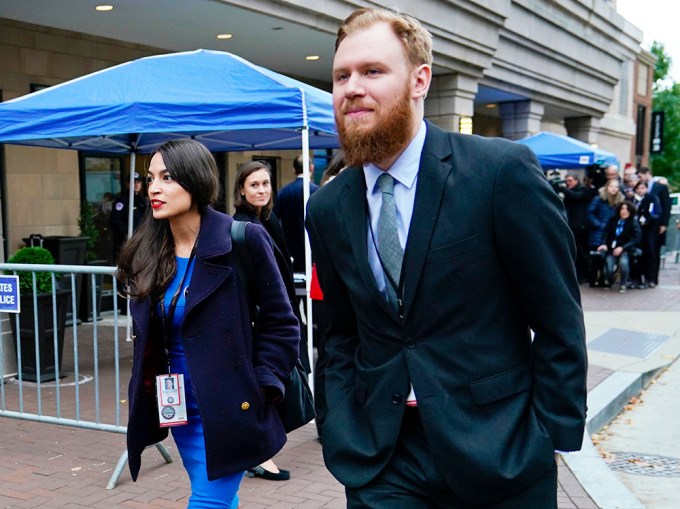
(240,202)
(147,264)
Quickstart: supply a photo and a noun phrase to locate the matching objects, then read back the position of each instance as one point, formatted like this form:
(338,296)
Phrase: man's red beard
(388,137)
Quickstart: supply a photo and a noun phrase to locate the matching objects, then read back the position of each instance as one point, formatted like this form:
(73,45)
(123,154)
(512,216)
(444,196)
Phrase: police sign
(9,294)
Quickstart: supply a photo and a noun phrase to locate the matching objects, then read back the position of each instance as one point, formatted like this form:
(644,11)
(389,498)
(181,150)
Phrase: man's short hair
(644,170)
(298,165)
(417,41)
(640,183)
(573,175)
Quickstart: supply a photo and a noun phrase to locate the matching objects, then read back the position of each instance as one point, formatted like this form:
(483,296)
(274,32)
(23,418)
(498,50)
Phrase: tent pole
(308,256)
(131,193)
(131,210)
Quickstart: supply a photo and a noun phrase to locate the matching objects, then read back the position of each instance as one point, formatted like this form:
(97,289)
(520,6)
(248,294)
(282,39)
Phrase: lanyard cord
(167,318)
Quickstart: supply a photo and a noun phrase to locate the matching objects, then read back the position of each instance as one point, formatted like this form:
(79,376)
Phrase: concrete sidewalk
(631,338)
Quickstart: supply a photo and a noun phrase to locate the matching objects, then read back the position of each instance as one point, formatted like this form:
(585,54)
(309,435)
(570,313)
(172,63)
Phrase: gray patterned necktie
(391,252)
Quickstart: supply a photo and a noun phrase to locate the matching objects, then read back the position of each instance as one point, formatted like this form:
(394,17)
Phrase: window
(100,183)
(643,74)
(624,88)
(640,130)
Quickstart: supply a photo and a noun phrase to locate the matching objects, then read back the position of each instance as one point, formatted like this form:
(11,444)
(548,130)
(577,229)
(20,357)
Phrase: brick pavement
(44,466)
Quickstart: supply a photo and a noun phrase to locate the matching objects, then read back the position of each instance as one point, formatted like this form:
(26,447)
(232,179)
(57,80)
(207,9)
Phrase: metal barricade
(75,377)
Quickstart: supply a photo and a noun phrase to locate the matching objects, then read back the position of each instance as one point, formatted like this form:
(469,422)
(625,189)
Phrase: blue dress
(220,493)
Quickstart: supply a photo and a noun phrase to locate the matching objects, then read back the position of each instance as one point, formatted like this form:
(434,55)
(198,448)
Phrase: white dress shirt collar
(405,168)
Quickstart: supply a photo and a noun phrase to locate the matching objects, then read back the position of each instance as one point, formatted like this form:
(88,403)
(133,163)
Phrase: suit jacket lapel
(435,168)
(355,214)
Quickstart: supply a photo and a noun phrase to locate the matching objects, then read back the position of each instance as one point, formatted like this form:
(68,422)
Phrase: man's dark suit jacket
(288,207)
(666,202)
(482,270)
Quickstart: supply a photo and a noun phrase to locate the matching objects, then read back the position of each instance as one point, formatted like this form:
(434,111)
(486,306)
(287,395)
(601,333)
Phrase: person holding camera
(576,199)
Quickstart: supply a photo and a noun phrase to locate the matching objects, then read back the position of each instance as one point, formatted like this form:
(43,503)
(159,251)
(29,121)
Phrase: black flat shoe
(282,475)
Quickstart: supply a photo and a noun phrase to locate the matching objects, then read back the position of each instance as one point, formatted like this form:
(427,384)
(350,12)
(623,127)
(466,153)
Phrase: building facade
(506,68)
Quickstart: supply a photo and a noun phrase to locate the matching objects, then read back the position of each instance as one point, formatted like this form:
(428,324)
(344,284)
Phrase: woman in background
(621,238)
(254,203)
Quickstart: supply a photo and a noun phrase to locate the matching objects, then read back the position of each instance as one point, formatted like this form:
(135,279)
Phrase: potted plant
(88,229)
(29,335)
(87,309)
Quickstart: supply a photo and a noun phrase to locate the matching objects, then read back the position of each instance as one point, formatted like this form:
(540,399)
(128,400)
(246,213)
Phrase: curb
(605,402)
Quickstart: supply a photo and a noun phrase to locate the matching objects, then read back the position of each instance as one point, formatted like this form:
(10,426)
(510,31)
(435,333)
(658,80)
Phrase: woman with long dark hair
(254,203)
(621,237)
(191,323)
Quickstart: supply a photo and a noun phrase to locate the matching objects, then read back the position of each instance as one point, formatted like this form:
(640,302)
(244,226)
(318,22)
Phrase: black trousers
(320,367)
(412,481)
(658,241)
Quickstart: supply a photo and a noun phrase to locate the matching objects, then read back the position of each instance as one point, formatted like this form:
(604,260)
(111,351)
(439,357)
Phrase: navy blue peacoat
(228,369)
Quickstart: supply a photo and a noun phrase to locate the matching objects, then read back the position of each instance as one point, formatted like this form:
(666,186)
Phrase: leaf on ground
(639,462)
(606,455)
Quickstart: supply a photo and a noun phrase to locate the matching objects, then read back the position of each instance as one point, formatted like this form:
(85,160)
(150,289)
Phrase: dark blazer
(283,262)
(665,200)
(576,202)
(288,207)
(227,368)
(118,220)
(628,239)
(648,208)
(479,272)
(281,255)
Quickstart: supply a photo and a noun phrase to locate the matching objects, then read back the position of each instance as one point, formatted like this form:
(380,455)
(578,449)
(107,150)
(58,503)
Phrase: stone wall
(42,185)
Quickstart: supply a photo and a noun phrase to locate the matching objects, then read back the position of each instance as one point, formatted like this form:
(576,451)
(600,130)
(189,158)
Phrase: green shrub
(88,228)
(43,280)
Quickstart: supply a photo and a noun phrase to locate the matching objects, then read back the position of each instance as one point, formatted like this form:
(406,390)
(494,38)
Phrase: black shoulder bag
(297,407)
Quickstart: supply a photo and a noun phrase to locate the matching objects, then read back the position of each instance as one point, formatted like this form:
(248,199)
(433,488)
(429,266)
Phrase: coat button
(396,399)
(245,405)
(410,343)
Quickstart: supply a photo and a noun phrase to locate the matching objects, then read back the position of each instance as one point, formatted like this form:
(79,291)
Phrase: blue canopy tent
(220,99)
(558,151)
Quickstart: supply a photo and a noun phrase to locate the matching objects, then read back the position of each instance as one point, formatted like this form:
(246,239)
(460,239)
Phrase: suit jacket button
(245,405)
(410,343)
(396,399)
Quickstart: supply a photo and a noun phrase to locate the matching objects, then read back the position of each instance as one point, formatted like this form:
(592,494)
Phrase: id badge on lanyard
(172,407)
(170,392)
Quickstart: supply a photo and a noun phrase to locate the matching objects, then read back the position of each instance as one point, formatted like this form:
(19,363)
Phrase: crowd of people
(619,227)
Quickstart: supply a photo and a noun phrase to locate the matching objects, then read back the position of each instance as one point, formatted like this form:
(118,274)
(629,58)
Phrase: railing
(66,374)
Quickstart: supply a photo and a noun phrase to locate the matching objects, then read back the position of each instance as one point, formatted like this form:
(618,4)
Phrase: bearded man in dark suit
(456,348)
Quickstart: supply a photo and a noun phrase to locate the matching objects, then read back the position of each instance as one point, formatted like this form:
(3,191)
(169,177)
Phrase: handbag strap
(243,263)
